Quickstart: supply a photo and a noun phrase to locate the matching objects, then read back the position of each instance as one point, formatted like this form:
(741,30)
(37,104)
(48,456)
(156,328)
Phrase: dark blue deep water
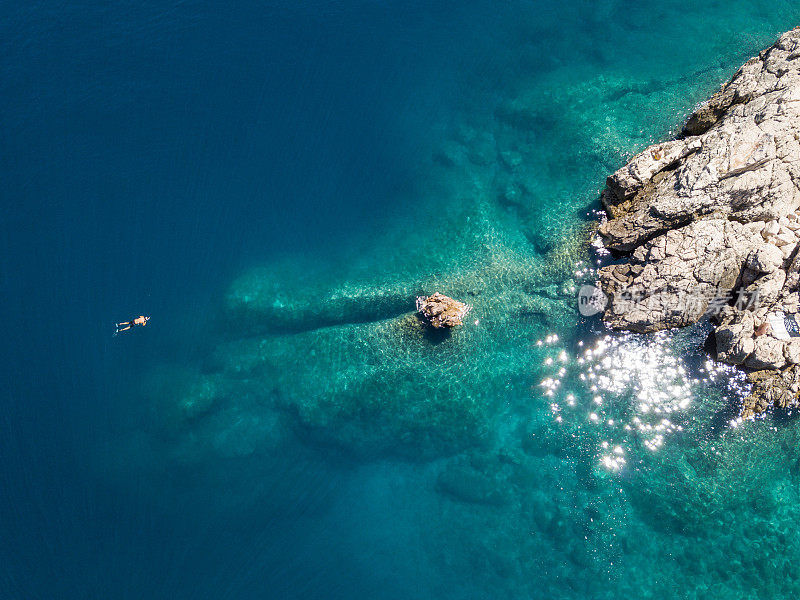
(273,183)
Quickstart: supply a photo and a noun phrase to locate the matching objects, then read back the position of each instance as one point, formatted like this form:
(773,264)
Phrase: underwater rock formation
(260,301)
(384,385)
(334,355)
(771,388)
(709,223)
(442,311)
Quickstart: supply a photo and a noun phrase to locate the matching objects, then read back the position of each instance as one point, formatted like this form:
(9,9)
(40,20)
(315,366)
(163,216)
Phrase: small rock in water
(442,311)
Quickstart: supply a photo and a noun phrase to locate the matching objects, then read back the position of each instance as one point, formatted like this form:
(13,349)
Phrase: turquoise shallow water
(290,179)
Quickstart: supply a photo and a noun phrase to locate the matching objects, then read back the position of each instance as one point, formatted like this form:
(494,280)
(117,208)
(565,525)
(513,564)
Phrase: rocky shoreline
(708,224)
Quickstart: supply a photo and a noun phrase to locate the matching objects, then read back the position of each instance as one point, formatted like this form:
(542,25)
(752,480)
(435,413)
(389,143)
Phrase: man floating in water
(126,325)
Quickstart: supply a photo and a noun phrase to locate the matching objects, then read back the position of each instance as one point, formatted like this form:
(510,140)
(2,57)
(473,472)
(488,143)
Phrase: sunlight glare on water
(637,389)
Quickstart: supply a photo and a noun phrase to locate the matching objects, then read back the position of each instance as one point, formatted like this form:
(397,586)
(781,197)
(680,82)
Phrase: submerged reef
(338,356)
(708,224)
(387,383)
(338,350)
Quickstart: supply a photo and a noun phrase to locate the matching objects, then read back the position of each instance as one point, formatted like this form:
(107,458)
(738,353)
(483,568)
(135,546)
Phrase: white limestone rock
(765,259)
(694,213)
(671,280)
(767,354)
(791,351)
(735,340)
